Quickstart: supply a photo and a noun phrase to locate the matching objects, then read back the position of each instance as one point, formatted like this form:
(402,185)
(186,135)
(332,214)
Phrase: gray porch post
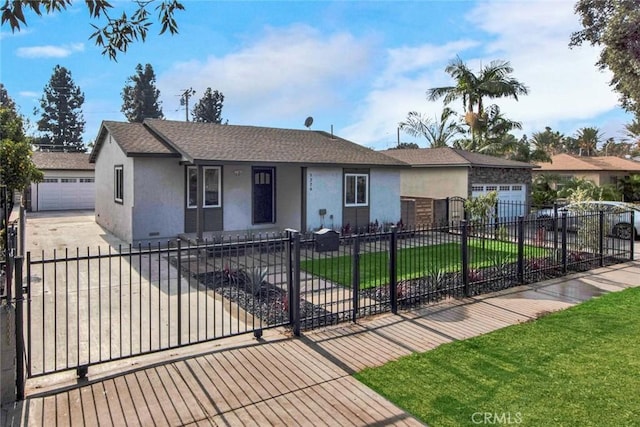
(200,202)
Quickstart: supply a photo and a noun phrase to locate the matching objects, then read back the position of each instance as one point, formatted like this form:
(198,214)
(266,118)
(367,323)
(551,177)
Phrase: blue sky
(359,66)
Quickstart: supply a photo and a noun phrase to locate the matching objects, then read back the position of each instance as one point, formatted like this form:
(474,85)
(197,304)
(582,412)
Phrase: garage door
(66,193)
(511,198)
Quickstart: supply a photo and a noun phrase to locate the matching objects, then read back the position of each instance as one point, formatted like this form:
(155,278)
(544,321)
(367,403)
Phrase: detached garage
(438,173)
(68,182)
(512,198)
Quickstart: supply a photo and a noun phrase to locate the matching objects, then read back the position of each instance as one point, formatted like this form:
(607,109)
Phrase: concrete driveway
(111,304)
(66,229)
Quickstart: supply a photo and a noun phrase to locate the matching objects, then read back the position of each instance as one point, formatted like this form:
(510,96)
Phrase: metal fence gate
(89,308)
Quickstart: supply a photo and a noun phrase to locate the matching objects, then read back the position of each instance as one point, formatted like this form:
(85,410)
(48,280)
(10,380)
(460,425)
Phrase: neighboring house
(438,173)
(599,170)
(159,179)
(68,182)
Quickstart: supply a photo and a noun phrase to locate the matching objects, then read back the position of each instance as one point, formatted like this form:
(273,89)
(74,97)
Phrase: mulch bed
(268,302)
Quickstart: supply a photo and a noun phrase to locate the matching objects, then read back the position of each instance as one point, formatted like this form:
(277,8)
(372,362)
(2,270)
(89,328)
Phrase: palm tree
(507,146)
(548,141)
(613,148)
(465,144)
(570,145)
(633,134)
(588,140)
(493,81)
(522,150)
(630,188)
(633,129)
(437,132)
(498,140)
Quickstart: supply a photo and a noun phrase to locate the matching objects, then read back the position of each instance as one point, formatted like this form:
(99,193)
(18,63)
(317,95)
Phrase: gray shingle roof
(233,143)
(49,160)
(134,139)
(446,156)
(206,141)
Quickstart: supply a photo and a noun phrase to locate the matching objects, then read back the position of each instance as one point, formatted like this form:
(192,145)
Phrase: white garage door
(66,193)
(511,198)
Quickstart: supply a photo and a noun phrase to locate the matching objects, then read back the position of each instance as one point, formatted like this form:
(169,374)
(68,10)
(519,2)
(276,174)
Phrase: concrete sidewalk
(288,381)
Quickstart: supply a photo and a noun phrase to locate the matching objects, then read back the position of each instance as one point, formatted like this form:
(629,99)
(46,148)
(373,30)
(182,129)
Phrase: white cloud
(565,86)
(29,94)
(534,36)
(284,73)
(407,60)
(50,51)
(402,87)
(376,123)
(8,34)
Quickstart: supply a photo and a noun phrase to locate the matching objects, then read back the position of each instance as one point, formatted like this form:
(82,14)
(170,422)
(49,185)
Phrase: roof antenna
(308,122)
(331,131)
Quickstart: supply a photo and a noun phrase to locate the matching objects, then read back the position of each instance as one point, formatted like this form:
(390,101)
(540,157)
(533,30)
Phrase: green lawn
(578,367)
(416,261)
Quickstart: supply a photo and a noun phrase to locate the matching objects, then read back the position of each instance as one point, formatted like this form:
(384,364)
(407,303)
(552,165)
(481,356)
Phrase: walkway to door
(297,381)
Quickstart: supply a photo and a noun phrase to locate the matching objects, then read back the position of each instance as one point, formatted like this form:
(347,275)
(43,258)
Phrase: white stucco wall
(114,217)
(288,196)
(158,209)
(384,191)
(237,199)
(324,191)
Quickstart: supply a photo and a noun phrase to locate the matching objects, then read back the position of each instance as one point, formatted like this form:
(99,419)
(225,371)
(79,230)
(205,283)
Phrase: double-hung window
(356,189)
(211,188)
(118,183)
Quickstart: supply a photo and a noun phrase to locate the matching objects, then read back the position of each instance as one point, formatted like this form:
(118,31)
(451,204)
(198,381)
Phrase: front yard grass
(417,261)
(577,367)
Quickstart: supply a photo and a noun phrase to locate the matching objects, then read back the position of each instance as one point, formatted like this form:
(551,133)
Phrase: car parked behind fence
(623,218)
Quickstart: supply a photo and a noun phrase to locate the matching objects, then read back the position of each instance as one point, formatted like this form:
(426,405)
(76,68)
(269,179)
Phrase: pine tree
(140,96)
(62,122)
(209,108)
(5,99)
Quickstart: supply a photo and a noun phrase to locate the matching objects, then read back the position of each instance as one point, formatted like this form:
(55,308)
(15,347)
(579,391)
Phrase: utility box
(327,240)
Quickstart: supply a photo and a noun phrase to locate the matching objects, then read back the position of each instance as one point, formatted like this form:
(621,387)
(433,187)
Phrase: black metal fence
(10,237)
(86,308)
(502,211)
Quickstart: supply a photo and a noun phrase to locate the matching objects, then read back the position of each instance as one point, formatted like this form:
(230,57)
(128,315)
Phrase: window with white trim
(118,184)
(85,180)
(356,189)
(212,187)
